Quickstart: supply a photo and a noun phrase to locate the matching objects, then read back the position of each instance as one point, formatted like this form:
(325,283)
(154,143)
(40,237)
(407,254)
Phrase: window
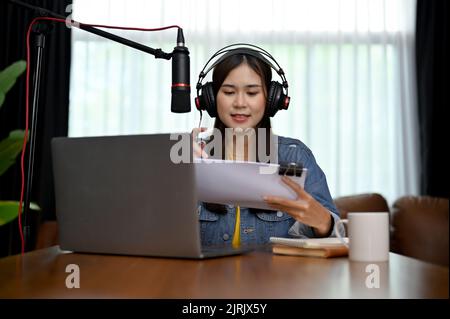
(349,65)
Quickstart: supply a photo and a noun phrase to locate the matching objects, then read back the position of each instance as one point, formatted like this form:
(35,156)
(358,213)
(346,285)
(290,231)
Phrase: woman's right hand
(197,148)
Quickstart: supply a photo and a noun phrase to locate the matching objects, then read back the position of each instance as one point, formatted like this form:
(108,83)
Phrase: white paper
(241,183)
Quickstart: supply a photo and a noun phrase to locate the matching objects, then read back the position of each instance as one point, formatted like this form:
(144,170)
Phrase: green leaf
(9,211)
(8,77)
(10,147)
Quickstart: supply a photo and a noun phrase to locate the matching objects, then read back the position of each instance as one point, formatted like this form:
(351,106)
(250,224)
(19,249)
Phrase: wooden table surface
(259,274)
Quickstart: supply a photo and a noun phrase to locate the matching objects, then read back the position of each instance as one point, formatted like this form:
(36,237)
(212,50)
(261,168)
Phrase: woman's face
(241,99)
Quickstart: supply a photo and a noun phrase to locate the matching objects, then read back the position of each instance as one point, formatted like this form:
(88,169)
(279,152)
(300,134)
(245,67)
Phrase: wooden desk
(259,274)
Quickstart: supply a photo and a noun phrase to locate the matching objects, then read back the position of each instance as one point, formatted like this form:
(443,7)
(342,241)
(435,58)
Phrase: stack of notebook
(314,247)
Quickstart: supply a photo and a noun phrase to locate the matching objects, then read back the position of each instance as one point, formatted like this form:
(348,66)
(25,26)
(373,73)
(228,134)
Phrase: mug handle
(336,230)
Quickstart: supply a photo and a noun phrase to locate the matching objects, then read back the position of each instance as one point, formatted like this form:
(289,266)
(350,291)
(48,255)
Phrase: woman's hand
(196,148)
(304,209)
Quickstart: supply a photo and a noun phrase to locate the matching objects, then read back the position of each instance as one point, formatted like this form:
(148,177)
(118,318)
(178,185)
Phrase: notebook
(309,242)
(325,252)
(123,195)
(311,247)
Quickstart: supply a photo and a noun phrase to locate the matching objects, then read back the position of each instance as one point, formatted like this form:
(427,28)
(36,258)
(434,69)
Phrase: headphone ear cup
(207,100)
(275,98)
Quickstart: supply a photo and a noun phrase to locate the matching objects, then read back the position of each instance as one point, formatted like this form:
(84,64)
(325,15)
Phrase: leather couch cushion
(371,202)
(420,228)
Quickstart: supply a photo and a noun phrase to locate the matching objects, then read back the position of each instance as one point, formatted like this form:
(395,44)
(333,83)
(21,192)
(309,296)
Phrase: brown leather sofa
(419,224)
(420,228)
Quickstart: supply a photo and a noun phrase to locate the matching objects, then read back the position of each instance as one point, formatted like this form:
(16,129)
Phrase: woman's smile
(240,118)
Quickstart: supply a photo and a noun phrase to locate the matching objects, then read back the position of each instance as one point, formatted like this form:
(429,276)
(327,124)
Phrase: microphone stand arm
(158,53)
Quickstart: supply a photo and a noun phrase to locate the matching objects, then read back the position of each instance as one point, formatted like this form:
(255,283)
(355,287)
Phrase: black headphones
(276,98)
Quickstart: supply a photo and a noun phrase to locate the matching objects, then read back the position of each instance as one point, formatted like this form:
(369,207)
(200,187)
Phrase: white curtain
(349,64)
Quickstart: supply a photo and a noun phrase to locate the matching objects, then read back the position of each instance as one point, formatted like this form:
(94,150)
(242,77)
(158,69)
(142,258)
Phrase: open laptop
(123,195)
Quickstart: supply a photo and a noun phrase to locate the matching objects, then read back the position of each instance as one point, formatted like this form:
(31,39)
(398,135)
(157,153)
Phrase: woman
(240,86)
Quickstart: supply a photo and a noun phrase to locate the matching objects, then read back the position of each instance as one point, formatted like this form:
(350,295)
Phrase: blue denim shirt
(257,226)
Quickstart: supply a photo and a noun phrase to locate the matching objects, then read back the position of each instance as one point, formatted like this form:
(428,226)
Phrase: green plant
(11,146)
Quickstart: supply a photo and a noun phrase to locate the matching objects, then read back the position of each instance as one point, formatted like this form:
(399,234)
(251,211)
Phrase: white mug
(368,235)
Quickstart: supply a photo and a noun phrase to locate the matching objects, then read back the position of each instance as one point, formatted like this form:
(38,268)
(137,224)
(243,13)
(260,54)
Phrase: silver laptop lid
(124,195)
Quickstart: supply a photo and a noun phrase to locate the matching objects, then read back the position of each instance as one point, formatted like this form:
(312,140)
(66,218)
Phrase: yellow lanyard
(236,242)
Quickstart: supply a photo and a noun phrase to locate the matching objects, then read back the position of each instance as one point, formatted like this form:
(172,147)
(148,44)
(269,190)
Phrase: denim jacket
(257,226)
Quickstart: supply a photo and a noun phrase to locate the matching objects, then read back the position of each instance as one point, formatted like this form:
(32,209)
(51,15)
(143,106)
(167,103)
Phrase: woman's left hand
(304,209)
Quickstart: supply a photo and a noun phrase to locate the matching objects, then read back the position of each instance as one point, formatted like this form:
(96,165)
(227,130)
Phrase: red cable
(128,28)
(27,91)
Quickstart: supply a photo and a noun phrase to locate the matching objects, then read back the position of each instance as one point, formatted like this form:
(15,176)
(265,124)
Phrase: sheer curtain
(349,64)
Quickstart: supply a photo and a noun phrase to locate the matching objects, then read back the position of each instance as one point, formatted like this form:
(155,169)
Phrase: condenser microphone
(181,88)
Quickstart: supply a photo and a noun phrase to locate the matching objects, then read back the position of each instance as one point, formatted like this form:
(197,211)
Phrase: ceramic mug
(368,236)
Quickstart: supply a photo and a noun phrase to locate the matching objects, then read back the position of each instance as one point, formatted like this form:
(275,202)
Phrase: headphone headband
(276,98)
(242,48)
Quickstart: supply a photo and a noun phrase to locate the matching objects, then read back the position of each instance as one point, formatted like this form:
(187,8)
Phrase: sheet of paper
(241,183)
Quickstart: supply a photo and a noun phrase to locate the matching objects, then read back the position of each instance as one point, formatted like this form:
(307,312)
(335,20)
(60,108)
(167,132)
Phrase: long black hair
(220,73)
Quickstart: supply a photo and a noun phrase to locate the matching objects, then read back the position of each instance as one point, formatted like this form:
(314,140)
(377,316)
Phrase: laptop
(124,195)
